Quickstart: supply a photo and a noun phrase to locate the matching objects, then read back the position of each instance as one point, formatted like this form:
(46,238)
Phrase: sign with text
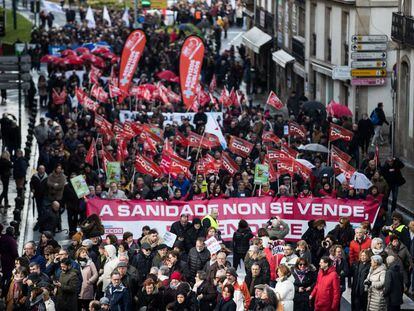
(369,38)
(368,55)
(341,73)
(368,81)
(368,72)
(119,216)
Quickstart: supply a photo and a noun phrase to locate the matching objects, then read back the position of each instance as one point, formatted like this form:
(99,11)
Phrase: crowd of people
(260,270)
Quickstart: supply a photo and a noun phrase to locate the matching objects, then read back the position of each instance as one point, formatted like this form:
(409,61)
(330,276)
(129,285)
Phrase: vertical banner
(191,61)
(131,54)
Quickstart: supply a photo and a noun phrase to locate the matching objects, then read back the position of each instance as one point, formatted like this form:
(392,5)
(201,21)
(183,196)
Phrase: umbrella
(82,50)
(68,52)
(314,148)
(167,75)
(315,107)
(190,28)
(73,60)
(306,163)
(101,50)
(108,55)
(360,181)
(337,110)
(341,178)
(48,59)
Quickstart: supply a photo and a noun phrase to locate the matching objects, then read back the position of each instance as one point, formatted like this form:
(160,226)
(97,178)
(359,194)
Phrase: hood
(111,250)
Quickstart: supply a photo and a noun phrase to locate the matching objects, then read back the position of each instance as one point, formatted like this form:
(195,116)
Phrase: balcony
(409,31)
(397,27)
(298,49)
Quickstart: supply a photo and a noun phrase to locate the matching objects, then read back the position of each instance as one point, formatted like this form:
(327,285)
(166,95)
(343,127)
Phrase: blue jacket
(119,297)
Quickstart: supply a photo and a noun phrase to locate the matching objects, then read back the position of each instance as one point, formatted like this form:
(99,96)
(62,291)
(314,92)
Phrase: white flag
(125,17)
(90,18)
(213,127)
(106,16)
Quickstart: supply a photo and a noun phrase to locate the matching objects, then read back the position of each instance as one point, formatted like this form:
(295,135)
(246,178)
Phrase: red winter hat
(175,276)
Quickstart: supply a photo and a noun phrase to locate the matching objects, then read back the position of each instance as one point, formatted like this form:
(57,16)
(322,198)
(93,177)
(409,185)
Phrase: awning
(282,58)
(322,67)
(255,38)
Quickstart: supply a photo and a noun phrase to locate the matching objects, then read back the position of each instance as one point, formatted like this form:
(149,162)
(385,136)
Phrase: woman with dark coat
(343,232)
(205,292)
(149,299)
(226,302)
(20,166)
(8,252)
(304,280)
(5,173)
(241,239)
(359,272)
(340,263)
(314,237)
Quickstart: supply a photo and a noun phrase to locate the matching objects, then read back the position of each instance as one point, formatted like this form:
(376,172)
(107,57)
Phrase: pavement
(405,202)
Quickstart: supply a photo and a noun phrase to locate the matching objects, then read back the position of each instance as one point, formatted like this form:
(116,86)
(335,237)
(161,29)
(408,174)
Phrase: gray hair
(154,270)
(390,260)
(164,270)
(377,259)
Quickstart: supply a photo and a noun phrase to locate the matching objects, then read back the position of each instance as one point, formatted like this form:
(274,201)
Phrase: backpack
(374,118)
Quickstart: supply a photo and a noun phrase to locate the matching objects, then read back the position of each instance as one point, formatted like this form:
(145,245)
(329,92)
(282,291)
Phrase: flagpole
(199,146)
(260,190)
(133,180)
(329,160)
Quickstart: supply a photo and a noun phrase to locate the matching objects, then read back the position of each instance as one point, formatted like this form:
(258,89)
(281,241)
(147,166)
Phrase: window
(345,37)
(301,20)
(312,28)
(328,34)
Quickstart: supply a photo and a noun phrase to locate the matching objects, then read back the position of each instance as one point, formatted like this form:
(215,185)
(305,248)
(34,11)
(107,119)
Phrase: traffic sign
(369,47)
(341,73)
(368,73)
(370,38)
(368,55)
(368,81)
(369,64)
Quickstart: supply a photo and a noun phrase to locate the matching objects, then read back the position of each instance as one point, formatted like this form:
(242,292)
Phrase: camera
(326,244)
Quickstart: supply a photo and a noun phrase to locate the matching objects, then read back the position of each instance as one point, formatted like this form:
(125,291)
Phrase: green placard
(113,172)
(261,174)
(80,186)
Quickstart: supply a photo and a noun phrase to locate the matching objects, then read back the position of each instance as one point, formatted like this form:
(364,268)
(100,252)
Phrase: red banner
(270,137)
(119,216)
(240,146)
(274,101)
(191,61)
(144,165)
(296,130)
(229,164)
(131,54)
(336,152)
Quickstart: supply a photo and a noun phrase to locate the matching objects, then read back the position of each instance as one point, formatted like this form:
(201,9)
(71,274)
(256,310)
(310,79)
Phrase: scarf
(301,274)
(17,288)
(377,251)
(226,299)
(336,260)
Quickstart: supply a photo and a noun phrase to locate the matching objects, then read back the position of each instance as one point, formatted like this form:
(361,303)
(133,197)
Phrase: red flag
(174,164)
(233,97)
(296,130)
(131,54)
(286,166)
(59,98)
(274,101)
(121,151)
(91,153)
(99,93)
(213,140)
(107,157)
(213,84)
(191,61)
(338,132)
(117,127)
(80,94)
(203,97)
(141,92)
(162,93)
(181,139)
(224,98)
(94,75)
(272,171)
(336,152)
(274,155)
(114,91)
(229,164)
(270,137)
(145,165)
(303,170)
(103,125)
(198,141)
(290,151)
(340,166)
(85,101)
(240,146)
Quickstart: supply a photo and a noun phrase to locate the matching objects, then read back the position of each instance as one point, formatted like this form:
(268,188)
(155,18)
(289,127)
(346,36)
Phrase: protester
(304,281)
(374,284)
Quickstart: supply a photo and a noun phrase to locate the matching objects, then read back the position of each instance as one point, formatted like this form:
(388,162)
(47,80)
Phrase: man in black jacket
(394,285)
(50,220)
(143,262)
(180,227)
(392,174)
(38,186)
(197,258)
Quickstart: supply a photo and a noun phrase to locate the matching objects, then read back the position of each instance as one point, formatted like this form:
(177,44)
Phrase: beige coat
(89,277)
(376,300)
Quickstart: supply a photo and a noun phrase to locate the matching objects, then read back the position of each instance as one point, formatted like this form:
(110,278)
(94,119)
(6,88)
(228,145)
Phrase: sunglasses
(301,265)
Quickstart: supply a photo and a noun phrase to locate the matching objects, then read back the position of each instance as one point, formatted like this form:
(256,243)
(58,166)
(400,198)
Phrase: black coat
(179,230)
(70,199)
(344,236)
(49,221)
(38,184)
(241,239)
(208,302)
(5,168)
(226,305)
(394,285)
(143,265)
(392,173)
(191,237)
(359,272)
(20,166)
(197,260)
(314,238)
(152,302)
(252,282)
(301,299)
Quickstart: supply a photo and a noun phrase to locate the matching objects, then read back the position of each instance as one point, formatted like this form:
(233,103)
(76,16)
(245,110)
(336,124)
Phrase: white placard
(213,245)
(169,239)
